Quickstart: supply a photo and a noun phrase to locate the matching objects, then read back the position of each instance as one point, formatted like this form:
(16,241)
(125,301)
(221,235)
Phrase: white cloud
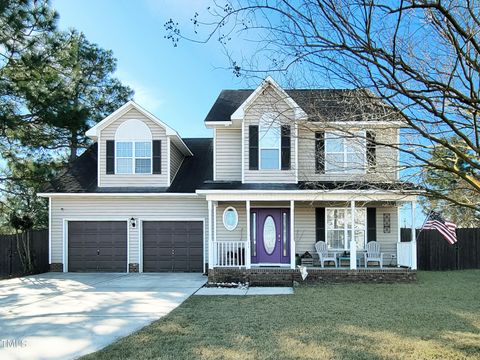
(145,96)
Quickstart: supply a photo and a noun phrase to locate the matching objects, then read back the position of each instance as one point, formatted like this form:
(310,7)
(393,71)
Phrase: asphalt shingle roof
(81,177)
(319,104)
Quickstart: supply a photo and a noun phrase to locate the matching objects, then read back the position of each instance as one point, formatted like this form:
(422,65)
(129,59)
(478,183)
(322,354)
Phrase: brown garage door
(97,246)
(172,246)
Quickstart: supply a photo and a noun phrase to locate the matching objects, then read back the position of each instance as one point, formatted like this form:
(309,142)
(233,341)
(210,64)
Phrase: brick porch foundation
(285,277)
(133,267)
(56,267)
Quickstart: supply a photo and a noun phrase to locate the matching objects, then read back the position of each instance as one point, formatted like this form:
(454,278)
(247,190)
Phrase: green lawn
(436,318)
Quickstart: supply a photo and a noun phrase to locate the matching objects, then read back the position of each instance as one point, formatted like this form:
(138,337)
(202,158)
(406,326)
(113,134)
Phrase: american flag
(446,228)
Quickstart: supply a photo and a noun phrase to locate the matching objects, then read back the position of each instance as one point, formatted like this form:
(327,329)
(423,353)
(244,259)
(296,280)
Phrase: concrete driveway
(66,315)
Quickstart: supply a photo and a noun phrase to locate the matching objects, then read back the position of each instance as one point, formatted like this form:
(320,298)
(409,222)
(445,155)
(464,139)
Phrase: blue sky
(179,85)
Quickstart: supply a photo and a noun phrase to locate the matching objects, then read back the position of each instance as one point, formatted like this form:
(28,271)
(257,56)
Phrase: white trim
(206,192)
(345,139)
(236,218)
(308,196)
(397,170)
(130,194)
(296,152)
(292,234)
(239,114)
(353,241)
(133,157)
(214,124)
(214,154)
(142,219)
(49,230)
(99,160)
(370,124)
(168,163)
(95,131)
(248,255)
(257,265)
(215,206)
(210,235)
(270,118)
(80,218)
(243,152)
(346,246)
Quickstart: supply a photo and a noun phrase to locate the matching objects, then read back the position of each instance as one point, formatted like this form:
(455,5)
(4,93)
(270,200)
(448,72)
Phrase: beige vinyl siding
(387,157)
(108,133)
(268,102)
(240,232)
(388,241)
(305,231)
(228,154)
(176,159)
(109,208)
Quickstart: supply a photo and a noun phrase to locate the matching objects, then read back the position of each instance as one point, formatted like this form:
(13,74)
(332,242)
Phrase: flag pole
(424,222)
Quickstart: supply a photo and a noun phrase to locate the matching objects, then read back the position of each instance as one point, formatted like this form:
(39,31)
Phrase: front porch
(267,237)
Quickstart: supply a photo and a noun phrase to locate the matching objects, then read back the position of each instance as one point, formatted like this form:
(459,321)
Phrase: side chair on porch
(373,253)
(324,255)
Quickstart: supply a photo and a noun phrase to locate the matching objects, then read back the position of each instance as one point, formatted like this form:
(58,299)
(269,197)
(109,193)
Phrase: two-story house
(285,170)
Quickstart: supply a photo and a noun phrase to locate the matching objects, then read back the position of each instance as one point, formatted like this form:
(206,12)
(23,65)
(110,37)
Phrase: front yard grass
(436,318)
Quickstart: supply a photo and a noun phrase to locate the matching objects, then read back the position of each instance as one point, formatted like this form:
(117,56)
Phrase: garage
(172,246)
(99,246)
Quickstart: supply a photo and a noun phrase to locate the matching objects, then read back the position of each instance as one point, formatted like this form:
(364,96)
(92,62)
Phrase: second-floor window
(345,154)
(133,157)
(269,143)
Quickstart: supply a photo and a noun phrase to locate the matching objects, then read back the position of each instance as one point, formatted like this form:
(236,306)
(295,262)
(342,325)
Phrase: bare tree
(419,57)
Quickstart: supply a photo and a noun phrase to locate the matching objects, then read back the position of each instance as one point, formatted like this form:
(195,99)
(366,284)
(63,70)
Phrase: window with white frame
(269,143)
(345,153)
(134,157)
(339,227)
(133,148)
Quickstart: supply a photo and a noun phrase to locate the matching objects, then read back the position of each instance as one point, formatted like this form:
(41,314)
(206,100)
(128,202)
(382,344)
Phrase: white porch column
(248,245)
(353,244)
(399,230)
(292,234)
(413,244)
(210,236)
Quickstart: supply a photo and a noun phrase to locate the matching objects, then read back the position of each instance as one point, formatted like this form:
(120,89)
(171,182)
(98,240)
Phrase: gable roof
(81,177)
(336,105)
(94,131)
(268,82)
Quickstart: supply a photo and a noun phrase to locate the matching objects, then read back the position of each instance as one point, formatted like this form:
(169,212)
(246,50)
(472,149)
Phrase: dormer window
(133,157)
(133,148)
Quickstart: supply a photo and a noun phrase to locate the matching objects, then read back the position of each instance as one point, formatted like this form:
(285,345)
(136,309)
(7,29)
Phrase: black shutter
(371,224)
(110,160)
(253,147)
(157,157)
(286,147)
(319,152)
(319,224)
(371,151)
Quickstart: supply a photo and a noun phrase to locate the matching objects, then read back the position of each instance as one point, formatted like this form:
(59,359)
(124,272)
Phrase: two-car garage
(102,246)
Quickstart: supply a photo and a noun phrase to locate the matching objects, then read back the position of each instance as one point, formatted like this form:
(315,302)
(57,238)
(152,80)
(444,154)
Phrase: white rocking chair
(373,253)
(324,255)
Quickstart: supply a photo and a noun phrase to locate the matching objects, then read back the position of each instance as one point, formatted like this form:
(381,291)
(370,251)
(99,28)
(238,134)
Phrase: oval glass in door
(269,235)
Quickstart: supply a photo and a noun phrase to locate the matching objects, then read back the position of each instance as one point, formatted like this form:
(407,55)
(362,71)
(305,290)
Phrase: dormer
(136,149)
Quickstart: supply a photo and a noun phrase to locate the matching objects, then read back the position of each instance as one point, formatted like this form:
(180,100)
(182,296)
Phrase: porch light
(133,222)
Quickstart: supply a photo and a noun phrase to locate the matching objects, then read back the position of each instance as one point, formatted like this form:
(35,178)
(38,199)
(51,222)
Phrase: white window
(230,218)
(345,153)
(339,228)
(133,157)
(269,143)
(133,148)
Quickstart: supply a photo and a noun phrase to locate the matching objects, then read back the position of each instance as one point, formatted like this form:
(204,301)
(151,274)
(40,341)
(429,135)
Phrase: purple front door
(270,236)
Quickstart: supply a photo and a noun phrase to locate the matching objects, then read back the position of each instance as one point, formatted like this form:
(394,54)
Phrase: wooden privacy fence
(10,263)
(435,253)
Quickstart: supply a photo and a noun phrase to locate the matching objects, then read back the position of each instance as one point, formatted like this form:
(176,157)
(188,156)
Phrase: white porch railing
(407,254)
(229,253)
